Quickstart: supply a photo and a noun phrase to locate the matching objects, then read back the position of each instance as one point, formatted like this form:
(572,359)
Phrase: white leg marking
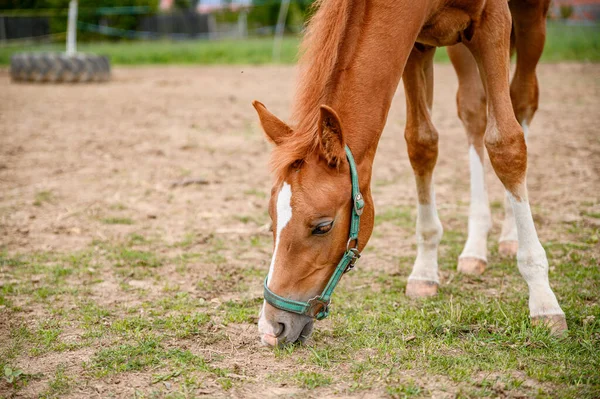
(480,220)
(525,127)
(509,227)
(532,262)
(284,214)
(429,234)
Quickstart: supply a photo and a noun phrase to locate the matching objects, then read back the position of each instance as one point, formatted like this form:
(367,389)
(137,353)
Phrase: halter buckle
(318,306)
(355,257)
(359,204)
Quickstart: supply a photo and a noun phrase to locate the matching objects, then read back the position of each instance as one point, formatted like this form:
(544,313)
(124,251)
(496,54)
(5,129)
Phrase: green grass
(60,384)
(117,220)
(42,197)
(572,43)
(473,340)
(205,52)
(564,43)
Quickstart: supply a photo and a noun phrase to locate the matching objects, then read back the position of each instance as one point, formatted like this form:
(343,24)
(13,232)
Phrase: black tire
(56,67)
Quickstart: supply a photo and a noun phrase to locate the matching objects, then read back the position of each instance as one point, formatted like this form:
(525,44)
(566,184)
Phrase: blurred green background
(565,41)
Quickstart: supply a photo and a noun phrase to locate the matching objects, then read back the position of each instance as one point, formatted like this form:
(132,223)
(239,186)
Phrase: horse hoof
(556,323)
(471,266)
(508,249)
(421,289)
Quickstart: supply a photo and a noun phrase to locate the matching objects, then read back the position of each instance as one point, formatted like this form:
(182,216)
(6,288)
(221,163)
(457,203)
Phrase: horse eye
(322,228)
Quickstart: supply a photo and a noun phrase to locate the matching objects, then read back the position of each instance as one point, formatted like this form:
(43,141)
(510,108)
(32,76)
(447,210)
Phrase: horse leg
(421,139)
(505,143)
(529,24)
(471,104)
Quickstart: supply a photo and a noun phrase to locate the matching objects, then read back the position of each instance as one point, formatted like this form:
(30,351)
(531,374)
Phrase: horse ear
(275,129)
(332,138)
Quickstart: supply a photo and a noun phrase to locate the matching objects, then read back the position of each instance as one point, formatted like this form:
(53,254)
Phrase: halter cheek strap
(318,307)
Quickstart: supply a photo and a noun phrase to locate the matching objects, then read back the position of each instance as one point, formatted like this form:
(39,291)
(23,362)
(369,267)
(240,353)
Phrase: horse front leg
(471,104)
(422,144)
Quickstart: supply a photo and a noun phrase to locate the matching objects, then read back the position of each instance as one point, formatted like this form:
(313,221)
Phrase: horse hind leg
(505,143)
(422,144)
(529,33)
(471,104)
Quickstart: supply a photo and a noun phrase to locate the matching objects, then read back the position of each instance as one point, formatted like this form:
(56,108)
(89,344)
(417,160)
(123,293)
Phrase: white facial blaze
(284,215)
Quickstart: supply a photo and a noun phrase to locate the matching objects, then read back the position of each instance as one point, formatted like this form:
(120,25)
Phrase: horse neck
(369,75)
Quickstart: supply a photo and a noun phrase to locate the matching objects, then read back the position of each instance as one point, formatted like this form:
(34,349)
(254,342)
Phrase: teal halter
(318,307)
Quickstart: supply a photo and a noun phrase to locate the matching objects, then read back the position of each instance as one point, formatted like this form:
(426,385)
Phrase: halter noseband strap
(318,307)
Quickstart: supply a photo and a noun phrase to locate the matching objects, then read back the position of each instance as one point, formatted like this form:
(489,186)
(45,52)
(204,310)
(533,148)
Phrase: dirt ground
(88,163)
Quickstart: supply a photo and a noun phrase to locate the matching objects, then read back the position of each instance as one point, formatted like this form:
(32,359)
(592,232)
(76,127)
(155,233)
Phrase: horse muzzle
(277,327)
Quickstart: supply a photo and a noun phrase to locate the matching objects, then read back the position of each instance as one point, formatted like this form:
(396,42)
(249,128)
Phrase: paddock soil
(154,187)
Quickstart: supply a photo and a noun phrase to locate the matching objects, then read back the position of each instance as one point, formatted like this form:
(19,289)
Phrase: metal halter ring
(348,247)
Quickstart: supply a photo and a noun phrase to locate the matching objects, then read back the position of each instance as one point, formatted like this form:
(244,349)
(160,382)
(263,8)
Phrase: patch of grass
(399,216)
(137,239)
(12,375)
(256,193)
(46,337)
(187,241)
(571,42)
(403,390)
(497,206)
(136,258)
(311,379)
(60,384)
(250,51)
(179,325)
(225,383)
(93,319)
(117,220)
(129,357)
(180,302)
(260,241)
(42,197)
(148,353)
(257,219)
(241,312)
(118,206)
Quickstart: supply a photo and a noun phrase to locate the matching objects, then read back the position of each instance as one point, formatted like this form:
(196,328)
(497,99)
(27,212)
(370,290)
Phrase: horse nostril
(281,330)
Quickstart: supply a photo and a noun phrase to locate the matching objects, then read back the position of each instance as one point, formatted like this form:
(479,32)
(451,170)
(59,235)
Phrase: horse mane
(320,56)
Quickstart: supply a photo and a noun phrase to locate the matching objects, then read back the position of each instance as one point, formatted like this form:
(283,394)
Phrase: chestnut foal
(355,53)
